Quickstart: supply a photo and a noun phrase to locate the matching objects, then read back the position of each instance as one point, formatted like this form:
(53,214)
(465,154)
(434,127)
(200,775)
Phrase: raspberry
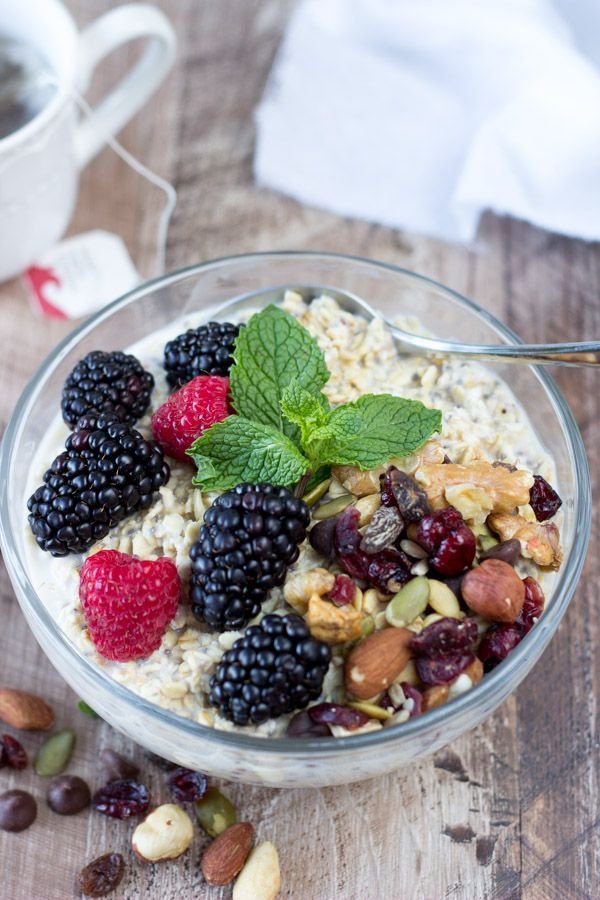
(127,603)
(447,539)
(190,411)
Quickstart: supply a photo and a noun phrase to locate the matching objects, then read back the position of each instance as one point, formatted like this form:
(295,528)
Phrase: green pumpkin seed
(317,492)
(443,600)
(215,812)
(87,710)
(54,754)
(408,603)
(486,542)
(333,508)
(372,710)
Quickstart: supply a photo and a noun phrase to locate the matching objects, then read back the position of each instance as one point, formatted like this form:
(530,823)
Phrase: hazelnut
(494,590)
(165,833)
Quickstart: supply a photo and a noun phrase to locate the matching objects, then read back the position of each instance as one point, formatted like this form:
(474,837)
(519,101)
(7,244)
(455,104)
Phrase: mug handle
(120,25)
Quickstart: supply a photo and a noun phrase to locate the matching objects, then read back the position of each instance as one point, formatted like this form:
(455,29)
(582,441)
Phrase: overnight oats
(283,525)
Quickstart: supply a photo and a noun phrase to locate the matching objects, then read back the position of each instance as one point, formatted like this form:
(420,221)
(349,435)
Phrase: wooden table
(511,810)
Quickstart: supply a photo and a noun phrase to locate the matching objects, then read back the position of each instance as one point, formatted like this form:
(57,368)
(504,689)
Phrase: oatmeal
(379,566)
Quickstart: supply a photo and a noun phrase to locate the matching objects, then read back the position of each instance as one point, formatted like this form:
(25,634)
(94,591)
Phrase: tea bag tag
(80,275)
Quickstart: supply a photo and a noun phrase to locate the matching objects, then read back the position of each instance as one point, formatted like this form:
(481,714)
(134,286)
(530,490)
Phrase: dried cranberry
(444,668)
(102,875)
(533,605)
(321,537)
(187,786)
(301,725)
(445,636)
(383,529)
(543,499)
(389,570)
(497,643)
(122,799)
(333,714)
(347,536)
(14,754)
(400,490)
(411,693)
(343,590)
(507,551)
(447,539)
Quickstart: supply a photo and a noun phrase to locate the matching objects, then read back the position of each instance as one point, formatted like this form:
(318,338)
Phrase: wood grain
(510,810)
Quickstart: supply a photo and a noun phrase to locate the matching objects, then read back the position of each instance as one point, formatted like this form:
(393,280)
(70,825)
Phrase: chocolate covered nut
(68,794)
(18,810)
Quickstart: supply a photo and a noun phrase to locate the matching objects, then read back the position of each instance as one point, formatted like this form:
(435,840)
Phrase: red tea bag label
(80,275)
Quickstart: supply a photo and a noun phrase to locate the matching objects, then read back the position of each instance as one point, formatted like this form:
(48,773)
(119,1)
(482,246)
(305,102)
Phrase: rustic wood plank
(509,810)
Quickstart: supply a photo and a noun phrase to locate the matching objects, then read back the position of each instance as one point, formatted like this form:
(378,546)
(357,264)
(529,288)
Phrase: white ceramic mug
(40,163)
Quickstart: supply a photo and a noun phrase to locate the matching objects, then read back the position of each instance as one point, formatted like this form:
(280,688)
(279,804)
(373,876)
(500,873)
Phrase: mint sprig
(285,428)
(272,352)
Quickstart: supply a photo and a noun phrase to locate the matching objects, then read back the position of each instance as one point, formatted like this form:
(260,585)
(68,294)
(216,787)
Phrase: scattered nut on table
(260,878)
(165,833)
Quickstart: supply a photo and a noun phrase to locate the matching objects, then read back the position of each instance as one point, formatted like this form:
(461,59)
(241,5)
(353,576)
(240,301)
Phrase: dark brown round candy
(18,810)
(68,794)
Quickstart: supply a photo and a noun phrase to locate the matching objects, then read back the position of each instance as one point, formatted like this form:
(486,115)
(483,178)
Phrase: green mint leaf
(273,351)
(237,450)
(307,411)
(372,430)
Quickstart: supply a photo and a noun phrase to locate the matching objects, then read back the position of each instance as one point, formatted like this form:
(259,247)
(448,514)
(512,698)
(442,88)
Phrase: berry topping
(447,539)
(127,603)
(206,350)
(275,668)
(387,570)
(334,714)
(497,643)
(249,537)
(343,590)
(190,411)
(12,753)
(187,786)
(533,605)
(543,499)
(122,799)
(107,471)
(107,383)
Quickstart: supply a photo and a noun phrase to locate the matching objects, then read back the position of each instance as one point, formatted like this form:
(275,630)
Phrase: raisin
(497,643)
(399,489)
(13,752)
(444,668)
(543,499)
(122,799)
(334,714)
(343,591)
(445,636)
(533,605)
(448,540)
(383,529)
(187,786)
(102,875)
(301,725)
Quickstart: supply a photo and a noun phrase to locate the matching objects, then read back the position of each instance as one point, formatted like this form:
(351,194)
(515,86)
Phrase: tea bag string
(143,170)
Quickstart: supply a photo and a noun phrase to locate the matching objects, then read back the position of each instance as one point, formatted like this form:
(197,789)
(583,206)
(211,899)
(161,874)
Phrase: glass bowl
(288,762)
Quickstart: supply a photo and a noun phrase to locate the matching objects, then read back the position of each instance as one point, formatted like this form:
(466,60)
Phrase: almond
(25,711)
(434,696)
(494,590)
(376,661)
(225,857)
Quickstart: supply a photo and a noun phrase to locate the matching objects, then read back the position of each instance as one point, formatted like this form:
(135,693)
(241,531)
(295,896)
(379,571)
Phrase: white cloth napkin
(420,115)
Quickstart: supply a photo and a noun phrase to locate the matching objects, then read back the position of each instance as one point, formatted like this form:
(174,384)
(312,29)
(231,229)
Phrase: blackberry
(106,472)
(275,668)
(249,537)
(206,350)
(107,383)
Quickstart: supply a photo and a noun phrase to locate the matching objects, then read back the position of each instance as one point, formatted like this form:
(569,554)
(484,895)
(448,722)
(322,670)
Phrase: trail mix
(314,558)
(163,832)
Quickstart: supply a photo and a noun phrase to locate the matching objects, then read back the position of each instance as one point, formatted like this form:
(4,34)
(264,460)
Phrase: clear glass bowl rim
(302,747)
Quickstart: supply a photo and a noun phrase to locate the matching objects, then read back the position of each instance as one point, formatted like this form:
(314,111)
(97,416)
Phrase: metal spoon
(585,353)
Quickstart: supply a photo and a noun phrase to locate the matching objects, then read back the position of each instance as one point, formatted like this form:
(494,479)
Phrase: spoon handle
(586,353)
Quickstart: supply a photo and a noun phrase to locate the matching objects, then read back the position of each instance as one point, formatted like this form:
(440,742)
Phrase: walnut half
(498,488)
(539,540)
